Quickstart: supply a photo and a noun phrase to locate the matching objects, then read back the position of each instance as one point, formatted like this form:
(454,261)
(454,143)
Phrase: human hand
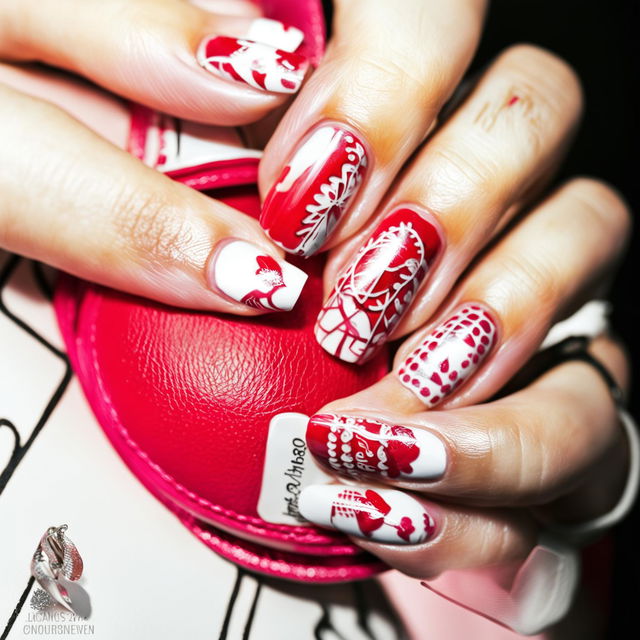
(463,252)
(465,487)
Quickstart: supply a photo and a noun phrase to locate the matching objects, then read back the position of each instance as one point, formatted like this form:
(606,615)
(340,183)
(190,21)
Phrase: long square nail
(247,274)
(380,515)
(315,189)
(375,291)
(363,447)
(256,64)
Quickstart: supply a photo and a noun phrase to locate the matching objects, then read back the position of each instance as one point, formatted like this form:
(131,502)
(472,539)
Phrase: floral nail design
(380,515)
(245,273)
(314,190)
(256,64)
(375,291)
(360,447)
(450,354)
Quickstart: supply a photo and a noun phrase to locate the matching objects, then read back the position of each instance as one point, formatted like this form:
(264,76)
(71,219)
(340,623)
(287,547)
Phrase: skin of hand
(74,200)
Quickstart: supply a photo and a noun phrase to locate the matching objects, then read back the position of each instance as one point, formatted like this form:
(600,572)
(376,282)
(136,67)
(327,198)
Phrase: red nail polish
(315,189)
(375,291)
(450,354)
(259,65)
(380,515)
(358,446)
(244,272)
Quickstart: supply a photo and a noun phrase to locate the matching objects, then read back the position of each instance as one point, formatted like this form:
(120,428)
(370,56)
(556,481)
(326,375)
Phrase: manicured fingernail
(377,288)
(361,447)
(380,515)
(244,272)
(259,65)
(315,189)
(450,354)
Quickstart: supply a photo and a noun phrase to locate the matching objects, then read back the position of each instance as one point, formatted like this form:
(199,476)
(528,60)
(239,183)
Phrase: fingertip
(245,273)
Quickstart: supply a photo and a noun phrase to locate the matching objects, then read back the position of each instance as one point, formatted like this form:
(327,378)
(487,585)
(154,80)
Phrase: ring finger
(547,444)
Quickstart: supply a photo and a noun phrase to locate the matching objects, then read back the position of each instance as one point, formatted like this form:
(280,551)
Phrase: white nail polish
(379,515)
(246,273)
(357,446)
(450,354)
(275,33)
(256,64)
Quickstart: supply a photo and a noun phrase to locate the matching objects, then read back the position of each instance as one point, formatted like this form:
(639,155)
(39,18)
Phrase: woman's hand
(462,252)
(388,70)
(75,201)
(194,61)
(453,489)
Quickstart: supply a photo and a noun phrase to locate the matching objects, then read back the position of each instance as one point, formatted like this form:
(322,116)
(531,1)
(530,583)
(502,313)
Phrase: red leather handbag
(187,398)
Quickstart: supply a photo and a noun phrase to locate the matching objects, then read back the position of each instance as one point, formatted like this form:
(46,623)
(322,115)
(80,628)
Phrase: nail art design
(314,190)
(359,447)
(449,354)
(245,273)
(381,515)
(259,65)
(373,294)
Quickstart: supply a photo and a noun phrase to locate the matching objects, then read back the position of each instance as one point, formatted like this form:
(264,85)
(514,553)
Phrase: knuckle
(528,58)
(526,277)
(149,225)
(392,76)
(457,175)
(522,477)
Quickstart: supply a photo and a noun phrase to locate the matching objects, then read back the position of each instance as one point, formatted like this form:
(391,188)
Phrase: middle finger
(461,187)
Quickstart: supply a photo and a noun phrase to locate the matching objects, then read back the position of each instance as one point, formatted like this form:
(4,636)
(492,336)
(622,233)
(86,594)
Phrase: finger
(76,202)
(543,270)
(97,109)
(384,78)
(167,54)
(463,185)
(420,538)
(604,484)
(547,268)
(526,449)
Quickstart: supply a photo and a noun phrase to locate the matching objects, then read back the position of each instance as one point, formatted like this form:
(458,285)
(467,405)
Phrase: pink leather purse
(187,398)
